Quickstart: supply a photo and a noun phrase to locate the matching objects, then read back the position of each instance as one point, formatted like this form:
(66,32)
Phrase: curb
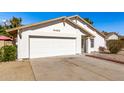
(116,61)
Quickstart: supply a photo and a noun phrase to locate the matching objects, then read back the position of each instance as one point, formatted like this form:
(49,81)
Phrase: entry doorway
(83,44)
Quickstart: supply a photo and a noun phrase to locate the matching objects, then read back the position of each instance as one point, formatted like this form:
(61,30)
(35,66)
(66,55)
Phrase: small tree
(114,46)
(89,21)
(3,32)
(15,22)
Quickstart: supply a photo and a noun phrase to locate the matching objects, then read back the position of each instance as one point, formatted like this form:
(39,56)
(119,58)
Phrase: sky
(103,21)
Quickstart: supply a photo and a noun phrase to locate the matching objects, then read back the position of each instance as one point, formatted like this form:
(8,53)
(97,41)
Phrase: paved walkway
(76,68)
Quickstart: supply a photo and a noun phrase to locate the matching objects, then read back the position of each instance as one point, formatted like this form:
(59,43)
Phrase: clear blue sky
(107,21)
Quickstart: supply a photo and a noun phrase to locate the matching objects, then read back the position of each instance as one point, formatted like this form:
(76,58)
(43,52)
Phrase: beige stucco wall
(3,43)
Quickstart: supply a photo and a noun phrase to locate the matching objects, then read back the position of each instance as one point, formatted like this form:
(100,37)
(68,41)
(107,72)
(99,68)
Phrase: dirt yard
(11,71)
(121,52)
(119,58)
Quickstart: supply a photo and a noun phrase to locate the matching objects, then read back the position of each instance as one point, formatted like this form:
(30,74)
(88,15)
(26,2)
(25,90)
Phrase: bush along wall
(8,53)
(114,46)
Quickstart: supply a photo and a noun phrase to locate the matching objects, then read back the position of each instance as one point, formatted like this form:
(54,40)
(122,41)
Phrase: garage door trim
(53,37)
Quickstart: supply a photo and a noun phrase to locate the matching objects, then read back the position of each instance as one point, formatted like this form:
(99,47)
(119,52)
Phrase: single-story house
(112,36)
(60,36)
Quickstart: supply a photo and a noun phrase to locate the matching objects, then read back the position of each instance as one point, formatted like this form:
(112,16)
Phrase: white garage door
(51,46)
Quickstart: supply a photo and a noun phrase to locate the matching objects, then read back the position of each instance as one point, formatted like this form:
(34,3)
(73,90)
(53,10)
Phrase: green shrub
(101,49)
(8,53)
(114,46)
(122,41)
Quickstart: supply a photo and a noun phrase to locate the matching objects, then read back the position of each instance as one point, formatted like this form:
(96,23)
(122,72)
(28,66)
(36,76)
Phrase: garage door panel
(45,47)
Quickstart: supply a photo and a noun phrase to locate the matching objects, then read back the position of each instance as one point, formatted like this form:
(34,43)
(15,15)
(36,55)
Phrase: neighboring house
(121,37)
(112,36)
(60,36)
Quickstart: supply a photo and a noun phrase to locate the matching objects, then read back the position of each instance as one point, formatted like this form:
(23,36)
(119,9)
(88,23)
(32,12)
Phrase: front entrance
(83,44)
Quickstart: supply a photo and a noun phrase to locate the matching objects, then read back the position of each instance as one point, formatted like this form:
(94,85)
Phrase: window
(92,43)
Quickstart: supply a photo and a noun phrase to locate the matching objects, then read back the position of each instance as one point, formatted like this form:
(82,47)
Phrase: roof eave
(35,24)
(78,17)
(60,18)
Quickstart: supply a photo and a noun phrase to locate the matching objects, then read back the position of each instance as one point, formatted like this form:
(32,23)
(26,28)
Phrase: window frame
(92,42)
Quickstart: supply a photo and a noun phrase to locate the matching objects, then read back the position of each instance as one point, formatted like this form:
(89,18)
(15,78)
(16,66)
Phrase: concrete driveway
(76,68)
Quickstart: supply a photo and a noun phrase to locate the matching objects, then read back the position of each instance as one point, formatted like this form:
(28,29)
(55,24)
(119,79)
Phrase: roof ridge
(87,24)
